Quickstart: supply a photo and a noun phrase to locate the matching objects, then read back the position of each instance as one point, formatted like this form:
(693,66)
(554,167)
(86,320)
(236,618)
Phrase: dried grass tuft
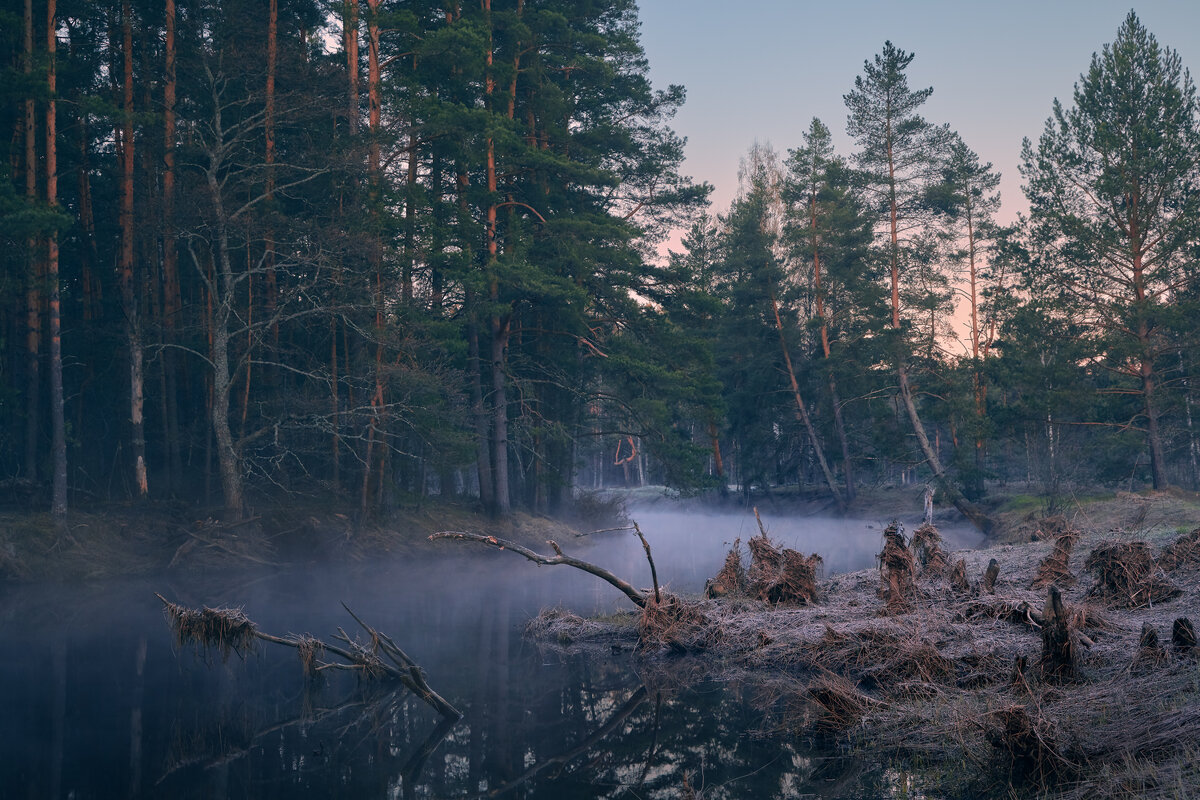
(679,624)
(1029,744)
(838,701)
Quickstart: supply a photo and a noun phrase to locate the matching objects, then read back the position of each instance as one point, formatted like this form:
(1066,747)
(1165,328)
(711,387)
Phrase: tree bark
(802,412)
(133,331)
(834,400)
(58,502)
(33,295)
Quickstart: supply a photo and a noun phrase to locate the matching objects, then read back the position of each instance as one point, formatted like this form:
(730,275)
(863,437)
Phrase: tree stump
(1058,653)
(989,576)
(1183,637)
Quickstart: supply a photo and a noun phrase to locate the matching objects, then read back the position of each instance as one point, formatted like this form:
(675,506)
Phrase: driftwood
(230,630)
(626,588)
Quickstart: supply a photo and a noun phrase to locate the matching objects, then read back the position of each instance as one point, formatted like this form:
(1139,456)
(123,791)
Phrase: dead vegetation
(229,630)
(1128,576)
(1026,680)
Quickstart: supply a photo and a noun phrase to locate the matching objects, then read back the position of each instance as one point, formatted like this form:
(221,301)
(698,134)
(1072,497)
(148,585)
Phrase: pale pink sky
(761,69)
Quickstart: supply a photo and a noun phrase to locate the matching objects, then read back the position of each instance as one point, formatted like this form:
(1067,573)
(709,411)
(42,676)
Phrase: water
(99,703)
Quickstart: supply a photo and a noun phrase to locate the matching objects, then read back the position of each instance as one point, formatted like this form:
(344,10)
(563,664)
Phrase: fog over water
(99,702)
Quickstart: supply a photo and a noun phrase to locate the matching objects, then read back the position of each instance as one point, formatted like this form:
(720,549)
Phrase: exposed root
(926,546)
(1127,576)
(1055,568)
(781,575)
(731,581)
(1184,550)
(896,570)
(958,577)
(227,630)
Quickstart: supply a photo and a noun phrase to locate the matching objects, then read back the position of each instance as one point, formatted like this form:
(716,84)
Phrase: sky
(760,70)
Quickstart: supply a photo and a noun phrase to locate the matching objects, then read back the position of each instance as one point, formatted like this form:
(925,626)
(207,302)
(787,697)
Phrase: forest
(374,250)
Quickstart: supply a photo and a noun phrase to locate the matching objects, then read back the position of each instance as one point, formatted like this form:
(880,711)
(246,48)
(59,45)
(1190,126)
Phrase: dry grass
(950,678)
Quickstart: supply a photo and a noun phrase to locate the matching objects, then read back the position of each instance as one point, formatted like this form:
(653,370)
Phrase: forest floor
(975,688)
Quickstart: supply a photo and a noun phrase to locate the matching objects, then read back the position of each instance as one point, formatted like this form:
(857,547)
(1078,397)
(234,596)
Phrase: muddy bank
(1066,666)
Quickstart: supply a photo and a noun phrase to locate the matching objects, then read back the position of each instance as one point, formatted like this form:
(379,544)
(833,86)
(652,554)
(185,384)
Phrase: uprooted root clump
(1056,567)
(731,581)
(1127,576)
(927,549)
(227,630)
(940,673)
(897,569)
(780,575)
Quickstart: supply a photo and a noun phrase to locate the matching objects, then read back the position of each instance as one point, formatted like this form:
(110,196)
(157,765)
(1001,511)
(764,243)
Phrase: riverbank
(118,540)
(129,541)
(1070,672)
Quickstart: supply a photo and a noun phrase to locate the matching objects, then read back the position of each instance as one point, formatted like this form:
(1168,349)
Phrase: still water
(97,701)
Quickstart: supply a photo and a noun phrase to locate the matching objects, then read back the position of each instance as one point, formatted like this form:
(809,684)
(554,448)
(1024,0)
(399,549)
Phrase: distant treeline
(375,249)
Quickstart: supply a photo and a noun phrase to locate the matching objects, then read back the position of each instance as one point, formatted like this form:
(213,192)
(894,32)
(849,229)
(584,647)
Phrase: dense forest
(375,250)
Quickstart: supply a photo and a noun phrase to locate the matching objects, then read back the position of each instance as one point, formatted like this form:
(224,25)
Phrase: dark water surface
(97,702)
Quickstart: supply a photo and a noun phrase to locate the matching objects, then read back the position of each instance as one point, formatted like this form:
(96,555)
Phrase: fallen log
(635,597)
(230,630)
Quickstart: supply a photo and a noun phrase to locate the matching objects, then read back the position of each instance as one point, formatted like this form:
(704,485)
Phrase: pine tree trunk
(838,423)
(500,331)
(172,303)
(33,298)
(802,412)
(227,457)
(350,45)
(968,509)
(58,502)
(483,452)
(133,332)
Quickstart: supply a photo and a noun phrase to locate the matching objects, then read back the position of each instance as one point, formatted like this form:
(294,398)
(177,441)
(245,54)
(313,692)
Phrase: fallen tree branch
(230,630)
(636,597)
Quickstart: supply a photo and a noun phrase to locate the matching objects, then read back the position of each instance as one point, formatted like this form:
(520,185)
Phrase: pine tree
(901,152)
(1114,197)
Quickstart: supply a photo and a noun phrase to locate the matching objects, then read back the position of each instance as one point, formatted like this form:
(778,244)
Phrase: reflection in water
(99,704)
